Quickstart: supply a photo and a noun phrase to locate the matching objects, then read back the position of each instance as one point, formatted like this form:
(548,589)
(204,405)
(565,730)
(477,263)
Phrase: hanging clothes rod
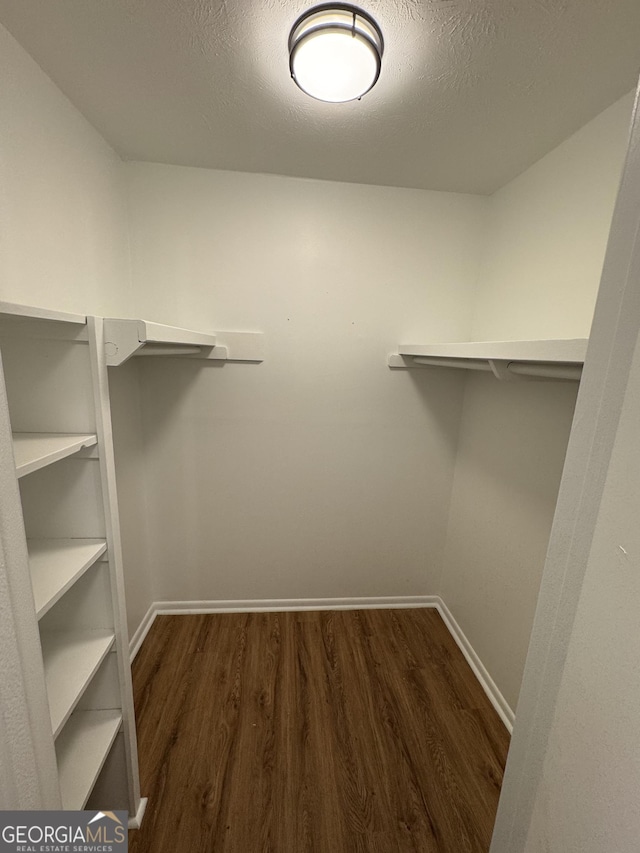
(572,372)
(167,349)
(464,363)
(540,370)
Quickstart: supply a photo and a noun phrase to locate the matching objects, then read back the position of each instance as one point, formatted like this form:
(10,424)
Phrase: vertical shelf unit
(54,391)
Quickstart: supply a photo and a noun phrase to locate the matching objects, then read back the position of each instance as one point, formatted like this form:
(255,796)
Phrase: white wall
(513,439)
(63,234)
(320,473)
(64,244)
(588,797)
(131,466)
(547,233)
(573,765)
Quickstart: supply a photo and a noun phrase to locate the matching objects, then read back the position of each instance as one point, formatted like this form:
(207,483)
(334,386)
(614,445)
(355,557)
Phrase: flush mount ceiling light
(335,53)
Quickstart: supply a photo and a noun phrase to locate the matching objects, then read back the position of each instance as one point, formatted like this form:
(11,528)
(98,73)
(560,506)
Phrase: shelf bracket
(245,347)
(400,362)
(500,370)
(420,361)
(125,339)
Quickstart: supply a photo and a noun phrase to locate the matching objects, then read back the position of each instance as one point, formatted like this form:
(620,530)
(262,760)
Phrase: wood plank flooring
(327,732)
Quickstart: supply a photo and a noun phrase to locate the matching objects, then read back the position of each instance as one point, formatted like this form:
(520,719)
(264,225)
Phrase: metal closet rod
(168,349)
(546,371)
(466,363)
(519,368)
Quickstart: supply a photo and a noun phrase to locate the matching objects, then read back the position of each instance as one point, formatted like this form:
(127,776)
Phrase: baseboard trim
(262,605)
(142,630)
(174,608)
(489,686)
(274,605)
(135,822)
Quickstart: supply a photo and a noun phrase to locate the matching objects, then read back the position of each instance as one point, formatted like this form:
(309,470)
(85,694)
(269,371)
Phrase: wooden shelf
(82,749)
(550,359)
(56,564)
(71,659)
(35,450)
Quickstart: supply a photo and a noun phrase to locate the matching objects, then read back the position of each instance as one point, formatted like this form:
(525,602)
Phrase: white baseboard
(274,605)
(135,822)
(480,671)
(166,608)
(142,630)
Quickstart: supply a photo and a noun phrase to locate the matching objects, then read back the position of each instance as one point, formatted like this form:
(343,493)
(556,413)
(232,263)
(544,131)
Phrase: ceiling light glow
(335,53)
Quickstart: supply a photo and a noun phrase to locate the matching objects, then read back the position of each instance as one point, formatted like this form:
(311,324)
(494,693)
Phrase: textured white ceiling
(471,91)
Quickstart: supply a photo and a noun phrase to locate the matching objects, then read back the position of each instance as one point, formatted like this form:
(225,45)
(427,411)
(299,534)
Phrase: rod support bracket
(500,370)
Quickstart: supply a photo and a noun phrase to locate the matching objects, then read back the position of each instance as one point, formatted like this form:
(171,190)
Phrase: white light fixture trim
(335,53)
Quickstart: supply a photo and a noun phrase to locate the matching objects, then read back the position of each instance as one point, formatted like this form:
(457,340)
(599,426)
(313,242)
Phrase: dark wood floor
(333,732)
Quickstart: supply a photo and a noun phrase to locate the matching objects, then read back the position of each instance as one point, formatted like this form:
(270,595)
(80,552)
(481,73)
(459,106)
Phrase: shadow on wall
(511,450)
(516,433)
(440,394)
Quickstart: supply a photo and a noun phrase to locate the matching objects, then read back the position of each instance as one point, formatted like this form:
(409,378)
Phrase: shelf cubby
(71,659)
(36,450)
(56,564)
(64,501)
(82,749)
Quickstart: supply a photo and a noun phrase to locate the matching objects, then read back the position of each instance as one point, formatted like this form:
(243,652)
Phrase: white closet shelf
(82,749)
(560,358)
(56,564)
(127,338)
(28,322)
(27,312)
(71,659)
(35,450)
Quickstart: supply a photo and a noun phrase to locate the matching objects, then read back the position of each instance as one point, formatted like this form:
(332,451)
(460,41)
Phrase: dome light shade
(335,53)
